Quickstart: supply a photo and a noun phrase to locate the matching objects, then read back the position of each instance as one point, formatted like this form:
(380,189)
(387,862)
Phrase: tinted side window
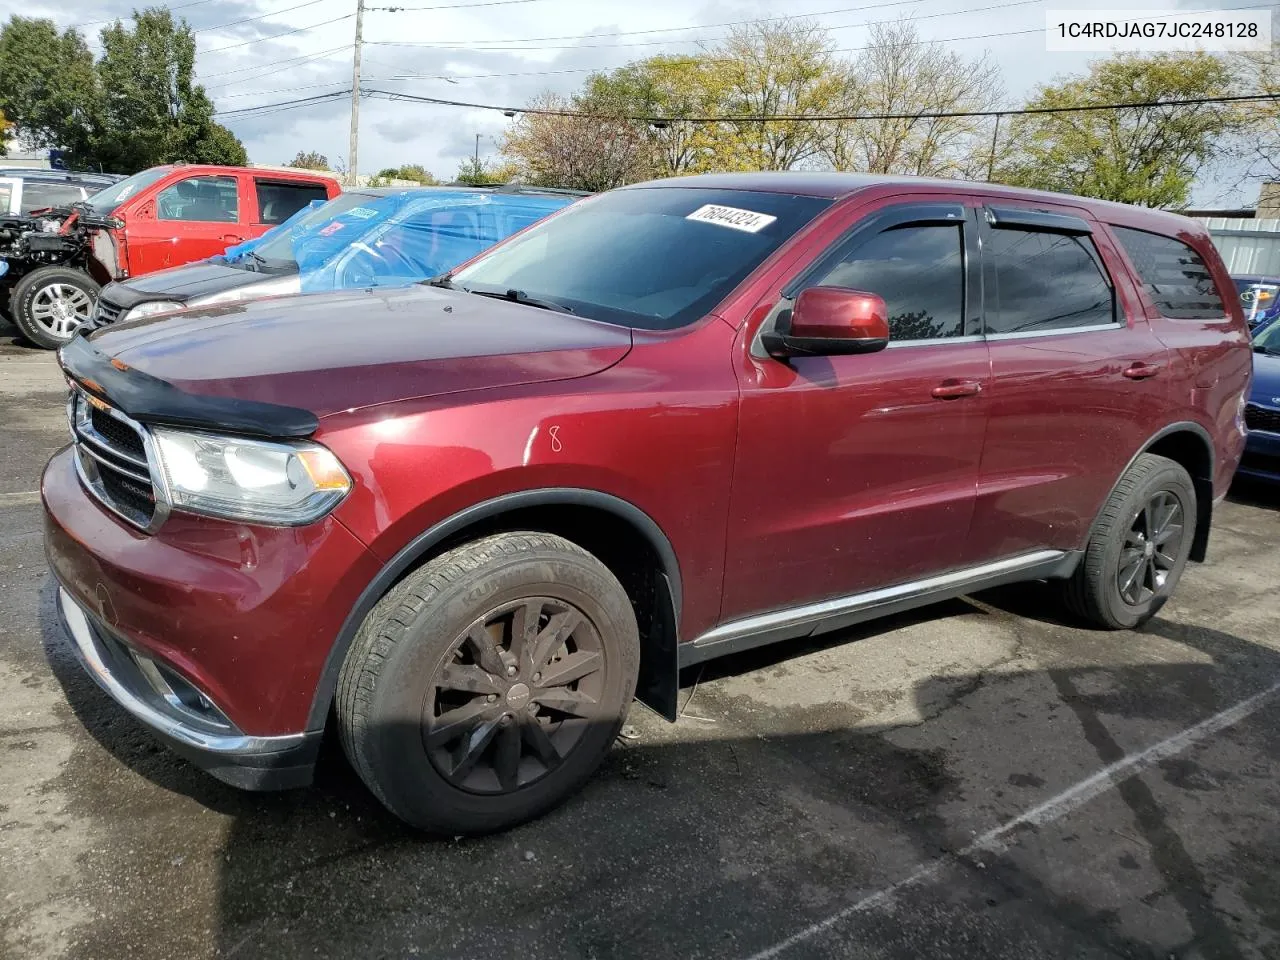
(205,199)
(1175,276)
(1046,281)
(277,202)
(918,270)
(36,195)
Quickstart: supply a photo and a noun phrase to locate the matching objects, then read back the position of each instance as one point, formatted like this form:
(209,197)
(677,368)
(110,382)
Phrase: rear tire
(1138,547)
(49,304)
(489,684)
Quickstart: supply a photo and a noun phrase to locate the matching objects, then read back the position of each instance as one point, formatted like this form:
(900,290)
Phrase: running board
(836,614)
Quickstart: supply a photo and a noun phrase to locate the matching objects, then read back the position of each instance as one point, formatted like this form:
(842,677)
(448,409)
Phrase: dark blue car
(1262,414)
(1259,299)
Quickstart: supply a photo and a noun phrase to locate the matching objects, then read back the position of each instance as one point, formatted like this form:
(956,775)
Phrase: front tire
(489,684)
(1138,548)
(51,303)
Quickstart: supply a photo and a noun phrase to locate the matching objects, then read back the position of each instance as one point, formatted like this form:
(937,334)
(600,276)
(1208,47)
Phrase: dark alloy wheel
(1138,547)
(1151,549)
(487,686)
(524,682)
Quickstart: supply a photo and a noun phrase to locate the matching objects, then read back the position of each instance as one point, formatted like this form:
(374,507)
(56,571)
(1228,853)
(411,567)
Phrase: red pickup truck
(54,262)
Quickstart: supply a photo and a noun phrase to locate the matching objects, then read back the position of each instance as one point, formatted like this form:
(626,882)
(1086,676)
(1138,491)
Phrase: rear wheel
(1139,546)
(489,684)
(51,303)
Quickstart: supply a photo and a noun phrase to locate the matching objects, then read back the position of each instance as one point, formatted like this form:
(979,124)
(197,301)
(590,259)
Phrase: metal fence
(1247,246)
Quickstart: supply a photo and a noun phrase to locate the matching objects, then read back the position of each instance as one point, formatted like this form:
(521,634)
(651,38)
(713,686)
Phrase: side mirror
(827,321)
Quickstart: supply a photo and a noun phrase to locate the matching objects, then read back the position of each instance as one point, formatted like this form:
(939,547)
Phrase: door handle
(1141,371)
(955,389)
(232,238)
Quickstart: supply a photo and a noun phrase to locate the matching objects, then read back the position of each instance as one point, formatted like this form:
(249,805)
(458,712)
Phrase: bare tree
(587,152)
(782,68)
(1256,149)
(901,75)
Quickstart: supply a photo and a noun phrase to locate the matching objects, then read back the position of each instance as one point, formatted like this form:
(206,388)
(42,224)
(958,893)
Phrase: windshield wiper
(519,296)
(443,281)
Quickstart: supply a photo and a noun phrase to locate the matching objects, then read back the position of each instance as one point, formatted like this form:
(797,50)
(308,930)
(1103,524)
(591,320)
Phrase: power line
(263,93)
(300,59)
(454,6)
(180,6)
(548,73)
(711,26)
(653,43)
(276,36)
(273,13)
(777,118)
(261,108)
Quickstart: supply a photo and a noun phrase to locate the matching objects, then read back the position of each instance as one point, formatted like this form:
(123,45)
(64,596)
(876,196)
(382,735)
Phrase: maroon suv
(462,525)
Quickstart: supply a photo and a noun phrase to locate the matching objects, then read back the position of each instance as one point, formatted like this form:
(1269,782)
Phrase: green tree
(48,89)
(483,173)
(409,171)
(6,129)
(152,110)
(309,160)
(1147,156)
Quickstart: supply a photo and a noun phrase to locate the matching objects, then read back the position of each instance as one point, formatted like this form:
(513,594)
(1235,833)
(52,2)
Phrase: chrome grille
(113,461)
(107,312)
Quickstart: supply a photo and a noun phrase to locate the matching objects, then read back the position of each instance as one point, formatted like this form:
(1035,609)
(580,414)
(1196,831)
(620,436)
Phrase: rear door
(1077,377)
(190,218)
(275,200)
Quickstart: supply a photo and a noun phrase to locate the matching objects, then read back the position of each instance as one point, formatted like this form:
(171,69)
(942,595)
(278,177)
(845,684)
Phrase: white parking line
(24,496)
(998,839)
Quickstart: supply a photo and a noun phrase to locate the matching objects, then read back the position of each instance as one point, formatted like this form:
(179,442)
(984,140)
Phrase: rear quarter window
(1174,274)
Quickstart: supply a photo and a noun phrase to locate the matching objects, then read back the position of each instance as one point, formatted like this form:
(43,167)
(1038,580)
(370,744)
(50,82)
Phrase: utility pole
(353,167)
(477,160)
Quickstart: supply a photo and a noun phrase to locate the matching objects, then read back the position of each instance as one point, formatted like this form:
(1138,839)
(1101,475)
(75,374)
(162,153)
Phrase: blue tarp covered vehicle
(387,236)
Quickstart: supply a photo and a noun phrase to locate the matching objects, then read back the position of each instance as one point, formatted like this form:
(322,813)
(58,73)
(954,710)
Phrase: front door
(190,219)
(1075,378)
(855,472)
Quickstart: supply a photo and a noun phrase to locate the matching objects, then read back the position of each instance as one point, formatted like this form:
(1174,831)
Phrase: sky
(261,52)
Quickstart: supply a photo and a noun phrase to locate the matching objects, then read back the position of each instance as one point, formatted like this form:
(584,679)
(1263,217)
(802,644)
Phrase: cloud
(319,59)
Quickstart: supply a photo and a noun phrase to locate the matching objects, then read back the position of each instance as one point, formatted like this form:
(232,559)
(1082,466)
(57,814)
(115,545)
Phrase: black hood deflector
(149,399)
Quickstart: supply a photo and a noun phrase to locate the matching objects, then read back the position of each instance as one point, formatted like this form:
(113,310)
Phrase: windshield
(654,258)
(1267,339)
(104,202)
(277,245)
(1257,299)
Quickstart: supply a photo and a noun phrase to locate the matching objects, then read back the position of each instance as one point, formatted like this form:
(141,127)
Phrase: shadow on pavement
(744,830)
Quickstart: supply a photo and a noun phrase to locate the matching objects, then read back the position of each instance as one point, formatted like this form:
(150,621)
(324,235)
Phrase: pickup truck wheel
(489,684)
(50,303)
(1138,548)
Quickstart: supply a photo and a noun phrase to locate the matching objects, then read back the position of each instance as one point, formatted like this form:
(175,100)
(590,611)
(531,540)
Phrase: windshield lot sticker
(747,221)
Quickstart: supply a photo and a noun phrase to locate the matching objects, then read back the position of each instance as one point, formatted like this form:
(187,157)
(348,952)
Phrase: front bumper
(214,634)
(1261,459)
(135,682)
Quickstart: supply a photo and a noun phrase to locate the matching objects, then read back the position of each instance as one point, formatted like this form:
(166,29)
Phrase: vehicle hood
(333,352)
(182,283)
(1266,380)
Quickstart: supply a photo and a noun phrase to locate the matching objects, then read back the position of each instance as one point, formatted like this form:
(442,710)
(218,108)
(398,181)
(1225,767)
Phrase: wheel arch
(1188,444)
(621,535)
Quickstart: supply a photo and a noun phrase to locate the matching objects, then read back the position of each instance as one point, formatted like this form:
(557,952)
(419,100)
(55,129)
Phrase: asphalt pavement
(979,779)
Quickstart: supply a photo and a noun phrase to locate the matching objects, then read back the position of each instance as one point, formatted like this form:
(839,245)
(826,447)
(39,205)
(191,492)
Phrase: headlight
(236,478)
(152,307)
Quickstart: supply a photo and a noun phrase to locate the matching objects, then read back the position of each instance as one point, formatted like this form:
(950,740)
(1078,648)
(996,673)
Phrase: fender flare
(1204,505)
(413,552)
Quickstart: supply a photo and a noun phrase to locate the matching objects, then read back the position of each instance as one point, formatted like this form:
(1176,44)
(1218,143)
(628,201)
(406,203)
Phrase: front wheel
(1138,548)
(489,684)
(51,303)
